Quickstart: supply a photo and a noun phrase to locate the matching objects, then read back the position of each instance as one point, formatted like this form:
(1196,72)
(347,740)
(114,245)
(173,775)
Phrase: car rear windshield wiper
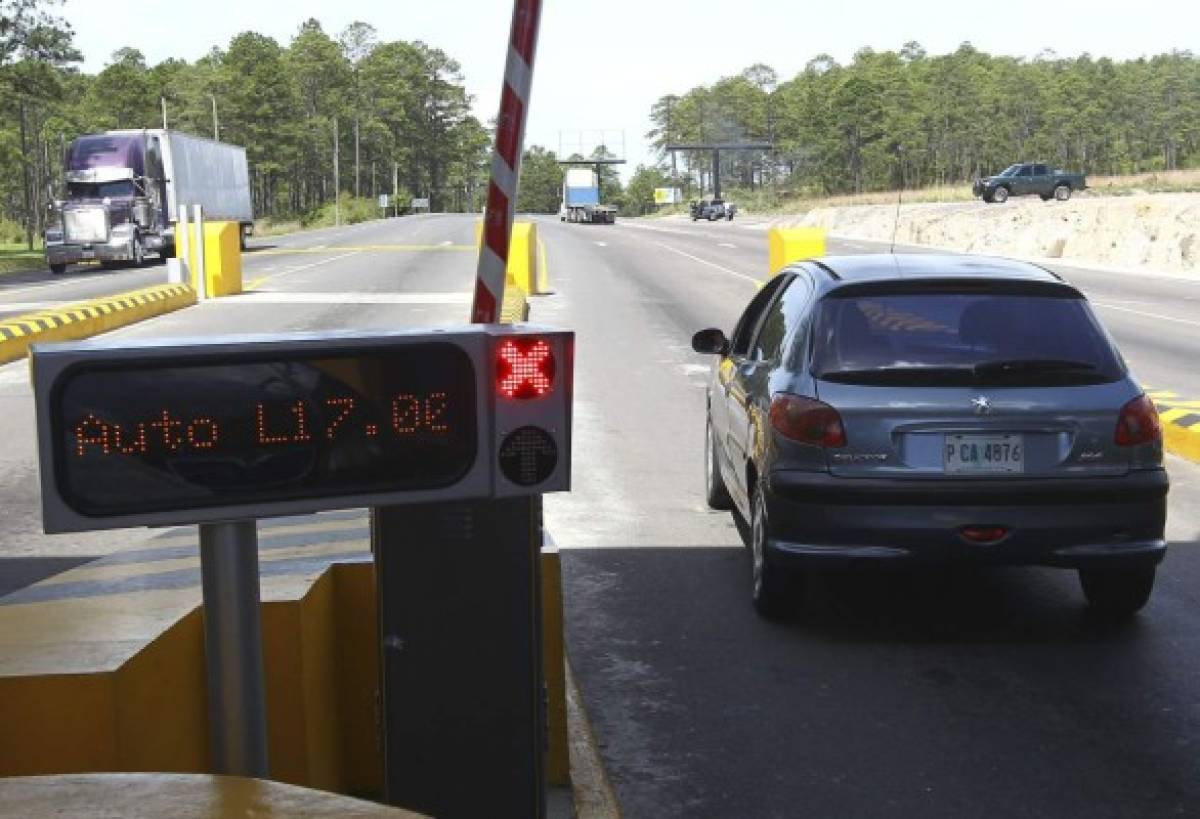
(932,376)
(1025,366)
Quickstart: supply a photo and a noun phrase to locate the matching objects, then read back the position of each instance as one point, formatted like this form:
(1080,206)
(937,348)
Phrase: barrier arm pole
(506,161)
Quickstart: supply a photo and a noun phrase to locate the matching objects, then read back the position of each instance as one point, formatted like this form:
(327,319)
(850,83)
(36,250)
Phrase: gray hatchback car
(884,410)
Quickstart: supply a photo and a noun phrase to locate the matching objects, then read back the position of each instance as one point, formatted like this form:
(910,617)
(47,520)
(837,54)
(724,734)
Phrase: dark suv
(1029,179)
(876,410)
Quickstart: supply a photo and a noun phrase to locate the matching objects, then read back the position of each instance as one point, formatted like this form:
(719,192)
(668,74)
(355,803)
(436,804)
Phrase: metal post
(183,239)
(716,173)
(201,282)
(463,698)
(216,127)
(337,179)
(164,107)
(237,713)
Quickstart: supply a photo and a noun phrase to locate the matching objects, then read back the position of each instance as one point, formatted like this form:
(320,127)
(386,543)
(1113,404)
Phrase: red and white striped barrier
(506,161)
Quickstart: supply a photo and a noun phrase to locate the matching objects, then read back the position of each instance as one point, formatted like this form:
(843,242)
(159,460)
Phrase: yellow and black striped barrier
(1181,423)
(85,319)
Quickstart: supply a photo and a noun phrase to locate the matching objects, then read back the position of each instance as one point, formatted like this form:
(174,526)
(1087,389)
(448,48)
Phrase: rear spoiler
(946,285)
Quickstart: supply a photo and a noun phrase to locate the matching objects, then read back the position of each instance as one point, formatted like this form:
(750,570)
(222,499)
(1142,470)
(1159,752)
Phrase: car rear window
(962,338)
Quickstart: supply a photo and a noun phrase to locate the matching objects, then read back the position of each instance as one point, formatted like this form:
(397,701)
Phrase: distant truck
(1029,179)
(712,210)
(125,188)
(581,198)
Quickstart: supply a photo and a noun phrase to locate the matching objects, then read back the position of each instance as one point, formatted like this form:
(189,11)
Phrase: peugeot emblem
(982,405)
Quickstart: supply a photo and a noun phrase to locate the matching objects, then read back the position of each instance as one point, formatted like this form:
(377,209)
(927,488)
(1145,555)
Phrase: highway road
(944,694)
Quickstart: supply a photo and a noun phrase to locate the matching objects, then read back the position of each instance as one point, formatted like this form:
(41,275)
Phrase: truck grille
(85,225)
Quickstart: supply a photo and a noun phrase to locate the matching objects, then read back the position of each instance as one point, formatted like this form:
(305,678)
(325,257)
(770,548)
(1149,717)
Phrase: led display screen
(148,437)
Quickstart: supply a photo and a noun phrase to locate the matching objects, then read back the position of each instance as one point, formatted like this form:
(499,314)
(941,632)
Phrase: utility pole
(357,190)
(396,185)
(337,178)
(216,125)
(163,100)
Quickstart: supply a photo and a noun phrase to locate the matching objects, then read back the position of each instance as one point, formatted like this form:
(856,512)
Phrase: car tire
(773,589)
(716,494)
(58,269)
(1062,192)
(1117,593)
(1000,195)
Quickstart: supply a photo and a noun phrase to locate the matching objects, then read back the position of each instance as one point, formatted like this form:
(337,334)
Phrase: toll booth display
(158,437)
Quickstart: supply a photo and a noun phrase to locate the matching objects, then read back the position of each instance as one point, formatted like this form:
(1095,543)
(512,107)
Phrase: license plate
(87,254)
(979,454)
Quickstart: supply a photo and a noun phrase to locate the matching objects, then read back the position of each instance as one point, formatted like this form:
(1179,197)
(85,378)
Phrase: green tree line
(891,118)
(397,112)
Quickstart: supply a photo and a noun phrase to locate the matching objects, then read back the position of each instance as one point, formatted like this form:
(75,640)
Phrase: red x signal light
(524,368)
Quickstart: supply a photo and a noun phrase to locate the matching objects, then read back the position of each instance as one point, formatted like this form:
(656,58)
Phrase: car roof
(878,267)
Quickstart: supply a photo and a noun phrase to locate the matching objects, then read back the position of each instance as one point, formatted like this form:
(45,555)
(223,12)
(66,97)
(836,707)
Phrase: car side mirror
(711,341)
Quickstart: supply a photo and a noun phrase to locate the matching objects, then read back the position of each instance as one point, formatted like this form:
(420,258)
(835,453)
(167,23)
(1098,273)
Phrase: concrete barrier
(526,258)
(84,319)
(178,795)
(102,666)
(788,245)
(222,259)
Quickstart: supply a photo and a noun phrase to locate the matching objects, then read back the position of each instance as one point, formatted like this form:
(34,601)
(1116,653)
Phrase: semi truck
(124,191)
(581,198)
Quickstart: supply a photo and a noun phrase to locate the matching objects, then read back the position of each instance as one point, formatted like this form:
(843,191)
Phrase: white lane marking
(601,244)
(339,297)
(447,242)
(30,306)
(1148,314)
(64,283)
(308,266)
(750,279)
(727,244)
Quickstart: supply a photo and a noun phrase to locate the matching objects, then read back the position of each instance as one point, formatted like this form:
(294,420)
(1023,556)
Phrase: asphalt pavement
(945,694)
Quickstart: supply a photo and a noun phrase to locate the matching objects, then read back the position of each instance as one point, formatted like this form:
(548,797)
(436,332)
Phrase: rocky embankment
(1158,232)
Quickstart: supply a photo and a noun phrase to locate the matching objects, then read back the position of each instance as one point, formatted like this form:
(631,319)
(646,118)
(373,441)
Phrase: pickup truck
(712,210)
(1028,179)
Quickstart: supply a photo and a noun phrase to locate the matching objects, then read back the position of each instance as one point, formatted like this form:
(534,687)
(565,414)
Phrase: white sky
(600,65)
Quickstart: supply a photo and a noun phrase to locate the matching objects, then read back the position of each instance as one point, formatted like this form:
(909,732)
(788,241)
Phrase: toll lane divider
(1181,423)
(102,667)
(789,245)
(85,319)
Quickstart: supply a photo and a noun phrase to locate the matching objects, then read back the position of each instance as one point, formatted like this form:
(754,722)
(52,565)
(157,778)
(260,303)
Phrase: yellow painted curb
(1183,441)
(85,319)
(1180,421)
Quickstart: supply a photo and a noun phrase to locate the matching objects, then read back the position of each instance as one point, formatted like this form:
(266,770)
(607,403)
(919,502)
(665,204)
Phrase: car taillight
(1138,423)
(807,421)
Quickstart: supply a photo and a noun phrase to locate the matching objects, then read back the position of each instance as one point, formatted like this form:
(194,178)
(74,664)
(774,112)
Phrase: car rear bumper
(819,520)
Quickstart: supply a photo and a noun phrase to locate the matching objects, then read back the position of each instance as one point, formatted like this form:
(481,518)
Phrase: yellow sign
(667,196)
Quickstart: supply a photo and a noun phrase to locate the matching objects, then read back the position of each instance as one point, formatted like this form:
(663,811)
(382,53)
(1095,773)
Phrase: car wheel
(1000,196)
(1062,192)
(1117,593)
(58,269)
(773,590)
(715,491)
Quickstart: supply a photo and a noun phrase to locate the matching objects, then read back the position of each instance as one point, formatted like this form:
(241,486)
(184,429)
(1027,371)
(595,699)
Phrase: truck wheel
(58,269)
(137,251)
(1062,192)
(1000,195)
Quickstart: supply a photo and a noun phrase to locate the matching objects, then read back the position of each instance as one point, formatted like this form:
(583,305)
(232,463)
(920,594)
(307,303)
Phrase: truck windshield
(1011,170)
(100,190)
